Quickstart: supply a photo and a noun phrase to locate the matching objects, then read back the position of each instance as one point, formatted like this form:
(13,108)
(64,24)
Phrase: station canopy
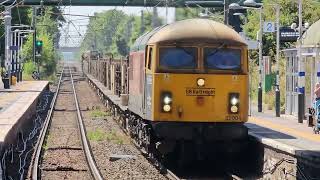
(312,36)
(150,3)
(310,56)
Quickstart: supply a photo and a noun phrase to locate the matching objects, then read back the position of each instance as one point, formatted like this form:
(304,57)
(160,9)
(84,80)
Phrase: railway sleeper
(64,147)
(64,169)
(139,130)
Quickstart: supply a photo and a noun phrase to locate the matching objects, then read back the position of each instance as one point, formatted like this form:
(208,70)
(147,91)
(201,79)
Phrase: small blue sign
(14,48)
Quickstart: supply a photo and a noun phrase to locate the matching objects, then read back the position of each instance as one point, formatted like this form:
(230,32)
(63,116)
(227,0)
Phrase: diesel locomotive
(188,88)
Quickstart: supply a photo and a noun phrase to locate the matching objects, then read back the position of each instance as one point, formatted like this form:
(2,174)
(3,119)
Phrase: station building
(302,76)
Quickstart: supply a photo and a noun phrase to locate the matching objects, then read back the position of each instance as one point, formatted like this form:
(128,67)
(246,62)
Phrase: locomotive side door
(148,82)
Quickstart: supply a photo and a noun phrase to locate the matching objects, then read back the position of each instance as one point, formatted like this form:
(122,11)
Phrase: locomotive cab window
(149,61)
(222,59)
(178,58)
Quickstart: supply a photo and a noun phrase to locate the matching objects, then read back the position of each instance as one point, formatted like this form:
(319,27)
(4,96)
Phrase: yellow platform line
(284,129)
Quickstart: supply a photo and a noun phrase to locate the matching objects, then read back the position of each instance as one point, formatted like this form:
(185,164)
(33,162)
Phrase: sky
(79,24)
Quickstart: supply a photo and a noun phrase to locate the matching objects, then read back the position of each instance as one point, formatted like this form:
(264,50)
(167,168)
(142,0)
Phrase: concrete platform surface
(18,104)
(285,133)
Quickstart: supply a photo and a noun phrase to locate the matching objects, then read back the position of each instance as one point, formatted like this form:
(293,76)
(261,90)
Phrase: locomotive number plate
(232,118)
(200,91)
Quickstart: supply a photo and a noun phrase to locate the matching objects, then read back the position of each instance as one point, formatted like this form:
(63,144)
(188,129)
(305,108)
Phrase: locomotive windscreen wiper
(217,49)
(185,50)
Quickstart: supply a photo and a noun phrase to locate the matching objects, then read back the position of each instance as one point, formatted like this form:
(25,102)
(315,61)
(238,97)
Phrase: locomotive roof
(190,30)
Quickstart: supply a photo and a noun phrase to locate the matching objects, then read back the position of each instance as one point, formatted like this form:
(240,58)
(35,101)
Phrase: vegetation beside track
(47,30)
(113,31)
(288,15)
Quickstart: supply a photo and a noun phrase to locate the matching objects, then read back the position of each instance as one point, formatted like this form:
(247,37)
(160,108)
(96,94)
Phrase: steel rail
(44,132)
(168,174)
(92,165)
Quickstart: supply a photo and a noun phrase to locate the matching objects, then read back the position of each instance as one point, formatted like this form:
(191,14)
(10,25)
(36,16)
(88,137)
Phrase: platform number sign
(268,27)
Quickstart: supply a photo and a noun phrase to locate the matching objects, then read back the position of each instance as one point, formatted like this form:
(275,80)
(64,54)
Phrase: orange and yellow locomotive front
(198,87)
(221,98)
(200,94)
(188,84)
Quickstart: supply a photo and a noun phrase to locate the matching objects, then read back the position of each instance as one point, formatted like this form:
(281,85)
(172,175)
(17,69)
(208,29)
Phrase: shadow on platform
(267,132)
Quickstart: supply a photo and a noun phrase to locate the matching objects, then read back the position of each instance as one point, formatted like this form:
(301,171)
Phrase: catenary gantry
(169,3)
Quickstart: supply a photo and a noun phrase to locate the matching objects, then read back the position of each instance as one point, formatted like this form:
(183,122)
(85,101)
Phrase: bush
(29,67)
(269,99)
(254,80)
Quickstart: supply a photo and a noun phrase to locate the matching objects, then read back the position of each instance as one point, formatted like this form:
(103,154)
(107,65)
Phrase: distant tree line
(114,31)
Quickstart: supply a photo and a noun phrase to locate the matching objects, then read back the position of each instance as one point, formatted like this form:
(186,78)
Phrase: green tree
(114,32)
(187,13)
(288,15)
(48,32)
(48,55)
(101,30)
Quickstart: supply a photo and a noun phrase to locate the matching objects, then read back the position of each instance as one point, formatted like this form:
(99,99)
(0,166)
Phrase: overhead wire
(4,2)
(13,5)
(77,30)
(8,1)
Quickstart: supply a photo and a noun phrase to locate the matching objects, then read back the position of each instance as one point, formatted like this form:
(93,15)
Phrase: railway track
(63,150)
(117,113)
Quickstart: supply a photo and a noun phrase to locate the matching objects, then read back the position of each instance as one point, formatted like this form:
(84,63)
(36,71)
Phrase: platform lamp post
(14,31)
(277,62)
(7,22)
(301,77)
(301,82)
(15,54)
(277,90)
(22,34)
(251,4)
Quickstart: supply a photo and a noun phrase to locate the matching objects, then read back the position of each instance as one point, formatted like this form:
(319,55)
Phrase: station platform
(285,131)
(17,105)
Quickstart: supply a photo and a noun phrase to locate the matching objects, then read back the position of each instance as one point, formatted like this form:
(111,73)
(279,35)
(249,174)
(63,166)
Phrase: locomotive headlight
(166,101)
(167,108)
(200,82)
(234,103)
(234,109)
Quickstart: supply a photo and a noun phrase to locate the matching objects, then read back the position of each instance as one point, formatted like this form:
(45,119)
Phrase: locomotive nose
(201,98)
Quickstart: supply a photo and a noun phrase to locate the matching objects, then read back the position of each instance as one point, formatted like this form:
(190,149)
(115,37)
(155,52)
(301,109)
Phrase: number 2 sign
(268,27)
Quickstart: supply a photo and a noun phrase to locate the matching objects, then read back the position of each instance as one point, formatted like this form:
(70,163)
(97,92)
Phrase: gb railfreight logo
(200,91)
